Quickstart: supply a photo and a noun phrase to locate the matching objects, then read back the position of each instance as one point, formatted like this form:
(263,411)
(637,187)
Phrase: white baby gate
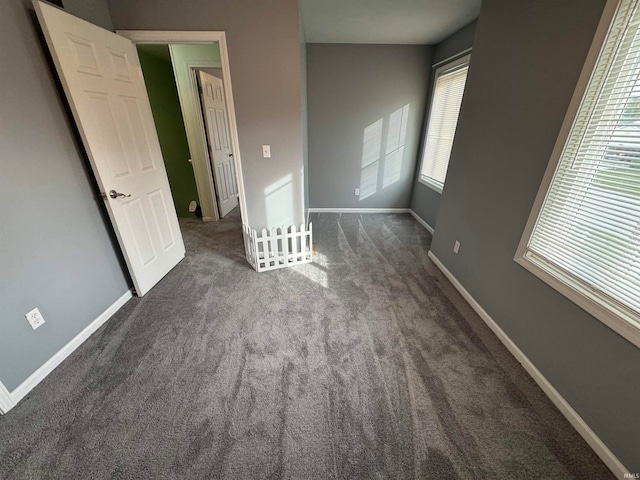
(278,247)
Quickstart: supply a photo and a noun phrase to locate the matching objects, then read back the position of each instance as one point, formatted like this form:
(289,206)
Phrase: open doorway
(103,83)
(190,53)
(186,91)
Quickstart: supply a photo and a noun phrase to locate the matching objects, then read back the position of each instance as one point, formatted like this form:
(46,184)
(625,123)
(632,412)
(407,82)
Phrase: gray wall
(350,87)
(305,114)
(216,72)
(264,52)
(526,61)
(94,11)
(424,200)
(57,250)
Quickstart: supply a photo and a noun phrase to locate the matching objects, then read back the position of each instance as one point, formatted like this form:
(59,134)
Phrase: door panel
(136,135)
(141,237)
(163,222)
(217,126)
(103,82)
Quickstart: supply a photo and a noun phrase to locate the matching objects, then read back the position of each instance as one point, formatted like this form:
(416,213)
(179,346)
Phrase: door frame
(204,37)
(194,129)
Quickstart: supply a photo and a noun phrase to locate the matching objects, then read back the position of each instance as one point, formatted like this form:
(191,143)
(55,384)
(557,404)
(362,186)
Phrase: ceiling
(409,22)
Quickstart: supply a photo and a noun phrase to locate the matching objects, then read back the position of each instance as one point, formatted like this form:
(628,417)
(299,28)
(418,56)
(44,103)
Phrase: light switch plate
(266,151)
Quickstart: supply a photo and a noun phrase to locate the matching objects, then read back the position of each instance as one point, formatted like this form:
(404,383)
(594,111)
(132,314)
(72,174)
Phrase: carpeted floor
(363,365)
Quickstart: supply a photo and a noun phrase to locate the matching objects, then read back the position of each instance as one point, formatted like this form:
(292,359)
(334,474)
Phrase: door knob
(114,194)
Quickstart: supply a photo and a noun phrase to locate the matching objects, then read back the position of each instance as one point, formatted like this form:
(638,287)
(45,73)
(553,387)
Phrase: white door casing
(217,126)
(102,79)
(184,58)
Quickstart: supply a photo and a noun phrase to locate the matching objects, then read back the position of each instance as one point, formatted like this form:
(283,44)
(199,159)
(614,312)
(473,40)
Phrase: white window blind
(443,119)
(587,232)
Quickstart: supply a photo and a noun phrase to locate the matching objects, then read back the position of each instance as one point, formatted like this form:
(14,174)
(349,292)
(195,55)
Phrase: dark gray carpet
(363,365)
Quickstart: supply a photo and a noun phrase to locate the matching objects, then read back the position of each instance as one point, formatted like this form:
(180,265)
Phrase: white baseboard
(6,403)
(35,378)
(570,414)
(421,221)
(359,210)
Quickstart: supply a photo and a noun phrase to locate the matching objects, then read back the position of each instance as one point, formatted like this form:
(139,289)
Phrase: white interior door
(101,75)
(217,124)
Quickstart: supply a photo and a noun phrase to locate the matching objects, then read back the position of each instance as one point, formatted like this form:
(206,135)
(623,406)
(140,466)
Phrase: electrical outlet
(456,246)
(34,317)
(357,192)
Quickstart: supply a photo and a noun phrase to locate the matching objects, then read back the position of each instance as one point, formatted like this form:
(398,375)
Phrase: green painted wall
(161,87)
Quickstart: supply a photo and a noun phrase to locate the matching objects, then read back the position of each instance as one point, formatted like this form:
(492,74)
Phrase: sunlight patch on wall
(395,146)
(279,202)
(391,165)
(371,146)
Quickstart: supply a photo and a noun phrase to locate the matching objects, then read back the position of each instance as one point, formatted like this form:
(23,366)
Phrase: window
(443,118)
(583,236)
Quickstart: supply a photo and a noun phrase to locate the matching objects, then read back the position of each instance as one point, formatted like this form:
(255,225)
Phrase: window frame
(617,317)
(449,66)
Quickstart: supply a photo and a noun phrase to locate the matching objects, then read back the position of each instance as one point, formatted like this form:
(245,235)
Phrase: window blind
(443,118)
(588,229)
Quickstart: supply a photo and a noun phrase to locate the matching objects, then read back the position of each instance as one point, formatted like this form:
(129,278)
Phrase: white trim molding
(464,52)
(419,219)
(430,183)
(358,210)
(570,414)
(6,403)
(35,378)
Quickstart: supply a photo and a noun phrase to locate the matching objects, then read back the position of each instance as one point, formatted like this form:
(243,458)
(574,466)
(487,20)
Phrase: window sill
(432,184)
(620,319)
